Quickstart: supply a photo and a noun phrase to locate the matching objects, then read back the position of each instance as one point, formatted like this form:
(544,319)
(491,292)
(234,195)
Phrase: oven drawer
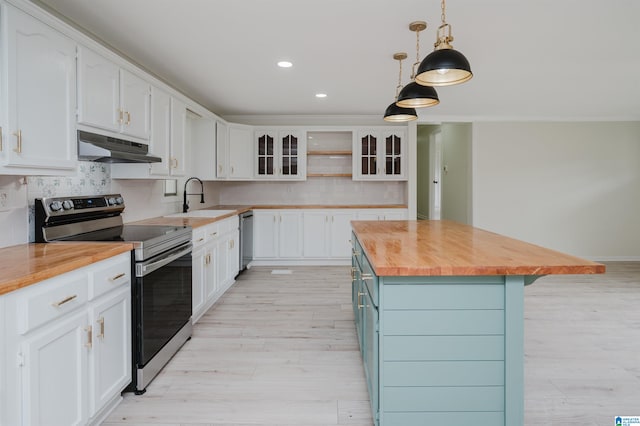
(50,299)
(109,274)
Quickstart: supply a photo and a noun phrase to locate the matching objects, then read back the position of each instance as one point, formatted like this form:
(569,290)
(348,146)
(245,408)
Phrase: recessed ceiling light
(321,95)
(285,64)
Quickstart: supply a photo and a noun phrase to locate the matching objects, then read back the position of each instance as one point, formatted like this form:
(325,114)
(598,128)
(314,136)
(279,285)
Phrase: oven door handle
(143,269)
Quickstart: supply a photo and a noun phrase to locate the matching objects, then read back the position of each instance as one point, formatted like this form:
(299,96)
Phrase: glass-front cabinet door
(368,155)
(392,154)
(289,149)
(280,154)
(266,154)
(380,154)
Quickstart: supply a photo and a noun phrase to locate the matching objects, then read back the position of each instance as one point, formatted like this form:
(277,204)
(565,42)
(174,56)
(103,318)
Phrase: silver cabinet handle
(366,276)
(89,331)
(18,148)
(101,322)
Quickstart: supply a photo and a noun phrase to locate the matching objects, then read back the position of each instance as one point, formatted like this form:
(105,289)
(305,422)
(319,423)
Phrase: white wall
(574,187)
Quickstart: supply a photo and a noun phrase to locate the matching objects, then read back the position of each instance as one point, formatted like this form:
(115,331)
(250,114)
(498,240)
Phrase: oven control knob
(111,201)
(67,204)
(119,201)
(55,206)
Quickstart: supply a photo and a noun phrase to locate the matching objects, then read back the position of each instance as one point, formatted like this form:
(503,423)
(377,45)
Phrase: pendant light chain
(417,62)
(399,86)
(443,14)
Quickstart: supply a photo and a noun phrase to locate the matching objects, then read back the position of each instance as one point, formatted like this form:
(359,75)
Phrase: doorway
(444,172)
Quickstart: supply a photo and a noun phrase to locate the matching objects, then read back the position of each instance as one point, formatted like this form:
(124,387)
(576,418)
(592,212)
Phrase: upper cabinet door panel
(135,103)
(41,79)
(98,91)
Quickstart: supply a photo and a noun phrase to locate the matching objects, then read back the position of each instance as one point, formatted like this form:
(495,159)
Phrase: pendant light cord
(443,14)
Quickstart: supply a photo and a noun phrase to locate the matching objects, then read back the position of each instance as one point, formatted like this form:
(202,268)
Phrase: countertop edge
(104,250)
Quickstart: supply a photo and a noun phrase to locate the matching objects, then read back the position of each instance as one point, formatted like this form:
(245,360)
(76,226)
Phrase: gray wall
(574,187)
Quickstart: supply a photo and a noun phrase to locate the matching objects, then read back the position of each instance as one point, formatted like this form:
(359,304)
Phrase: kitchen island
(439,316)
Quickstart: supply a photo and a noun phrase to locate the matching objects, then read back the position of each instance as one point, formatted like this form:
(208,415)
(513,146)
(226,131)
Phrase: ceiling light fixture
(321,95)
(285,64)
(394,113)
(415,95)
(444,66)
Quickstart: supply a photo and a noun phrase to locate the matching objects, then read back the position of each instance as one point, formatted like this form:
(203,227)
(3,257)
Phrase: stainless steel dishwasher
(246,239)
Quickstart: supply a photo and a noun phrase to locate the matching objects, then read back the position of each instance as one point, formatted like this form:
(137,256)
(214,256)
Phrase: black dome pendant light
(394,113)
(414,95)
(445,66)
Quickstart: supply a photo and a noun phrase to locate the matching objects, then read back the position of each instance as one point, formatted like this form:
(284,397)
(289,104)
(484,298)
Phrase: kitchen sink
(201,213)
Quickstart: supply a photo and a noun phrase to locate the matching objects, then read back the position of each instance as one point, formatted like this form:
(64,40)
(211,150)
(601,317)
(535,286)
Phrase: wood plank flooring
(282,350)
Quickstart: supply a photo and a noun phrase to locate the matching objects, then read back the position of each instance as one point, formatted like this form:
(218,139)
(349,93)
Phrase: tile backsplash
(91,178)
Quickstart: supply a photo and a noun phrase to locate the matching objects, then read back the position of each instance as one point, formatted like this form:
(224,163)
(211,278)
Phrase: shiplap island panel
(439,316)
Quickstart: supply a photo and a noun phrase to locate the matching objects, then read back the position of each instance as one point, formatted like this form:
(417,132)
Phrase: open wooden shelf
(328,152)
(329,175)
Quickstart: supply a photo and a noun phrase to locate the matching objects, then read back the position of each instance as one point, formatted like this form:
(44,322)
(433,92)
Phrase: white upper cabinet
(39,76)
(280,154)
(380,154)
(160,142)
(178,138)
(234,147)
(111,98)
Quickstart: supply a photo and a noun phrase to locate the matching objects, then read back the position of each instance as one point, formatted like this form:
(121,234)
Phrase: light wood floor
(282,350)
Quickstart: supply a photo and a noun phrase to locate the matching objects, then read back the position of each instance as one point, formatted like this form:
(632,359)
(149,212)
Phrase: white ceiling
(532,59)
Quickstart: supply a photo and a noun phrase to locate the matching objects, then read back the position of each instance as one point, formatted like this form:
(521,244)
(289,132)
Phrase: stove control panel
(60,206)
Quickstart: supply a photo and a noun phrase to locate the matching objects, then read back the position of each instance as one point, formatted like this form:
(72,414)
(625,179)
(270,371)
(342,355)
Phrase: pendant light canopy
(414,95)
(445,66)
(394,113)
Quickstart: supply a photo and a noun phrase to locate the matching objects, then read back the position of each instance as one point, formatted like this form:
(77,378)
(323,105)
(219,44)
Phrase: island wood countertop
(27,264)
(444,248)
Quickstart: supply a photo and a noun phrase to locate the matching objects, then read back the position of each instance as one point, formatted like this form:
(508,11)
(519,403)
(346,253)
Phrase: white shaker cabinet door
(136,105)
(341,233)
(265,234)
(290,223)
(111,355)
(160,142)
(40,104)
(178,137)
(53,375)
(240,152)
(98,91)
(315,226)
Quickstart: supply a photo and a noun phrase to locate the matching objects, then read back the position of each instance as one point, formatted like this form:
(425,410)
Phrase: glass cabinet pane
(368,154)
(265,155)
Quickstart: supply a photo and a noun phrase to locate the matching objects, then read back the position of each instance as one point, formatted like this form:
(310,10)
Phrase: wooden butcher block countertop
(444,248)
(27,264)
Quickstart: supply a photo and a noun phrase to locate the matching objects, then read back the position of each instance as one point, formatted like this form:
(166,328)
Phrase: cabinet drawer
(109,274)
(199,236)
(212,231)
(50,299)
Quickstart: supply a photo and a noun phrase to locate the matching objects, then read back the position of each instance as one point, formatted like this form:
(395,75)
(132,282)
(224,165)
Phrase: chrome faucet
(185,204)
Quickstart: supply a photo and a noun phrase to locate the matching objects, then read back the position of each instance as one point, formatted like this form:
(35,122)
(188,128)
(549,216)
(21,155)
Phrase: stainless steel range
(161,264)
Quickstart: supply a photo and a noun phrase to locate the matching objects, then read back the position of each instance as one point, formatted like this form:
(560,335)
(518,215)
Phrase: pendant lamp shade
(414,95)
(443,67)
(397,114)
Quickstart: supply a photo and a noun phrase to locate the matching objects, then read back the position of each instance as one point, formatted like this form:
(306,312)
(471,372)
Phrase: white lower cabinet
(326,233)
(216,263)
(311,236)
(277,234)
(68,346)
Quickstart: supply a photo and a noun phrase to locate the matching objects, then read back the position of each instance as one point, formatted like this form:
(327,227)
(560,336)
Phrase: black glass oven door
(163,300)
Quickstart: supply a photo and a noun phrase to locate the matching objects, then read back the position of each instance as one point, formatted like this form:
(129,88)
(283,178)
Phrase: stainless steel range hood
(105,149)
